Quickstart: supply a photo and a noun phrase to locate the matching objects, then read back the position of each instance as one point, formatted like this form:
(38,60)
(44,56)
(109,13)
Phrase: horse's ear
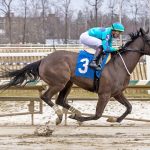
(142,31)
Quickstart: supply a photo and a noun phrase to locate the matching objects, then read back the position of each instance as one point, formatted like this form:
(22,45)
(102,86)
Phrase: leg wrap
(57,110)
(74,111)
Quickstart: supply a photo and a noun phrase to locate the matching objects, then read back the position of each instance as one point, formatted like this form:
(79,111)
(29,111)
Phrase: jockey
(100,39)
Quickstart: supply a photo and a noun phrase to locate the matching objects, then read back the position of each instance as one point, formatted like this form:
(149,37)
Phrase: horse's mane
(133,36)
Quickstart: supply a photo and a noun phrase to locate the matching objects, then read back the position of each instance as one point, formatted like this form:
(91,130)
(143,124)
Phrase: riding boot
(93,63)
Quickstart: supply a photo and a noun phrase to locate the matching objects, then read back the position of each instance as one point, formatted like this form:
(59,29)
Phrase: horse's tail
(22,76)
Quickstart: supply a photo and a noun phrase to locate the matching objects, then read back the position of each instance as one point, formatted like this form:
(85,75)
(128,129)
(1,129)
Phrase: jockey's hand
(117,49)
(120,47)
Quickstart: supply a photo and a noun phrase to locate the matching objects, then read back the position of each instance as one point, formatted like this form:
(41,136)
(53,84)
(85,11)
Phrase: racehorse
(58,71)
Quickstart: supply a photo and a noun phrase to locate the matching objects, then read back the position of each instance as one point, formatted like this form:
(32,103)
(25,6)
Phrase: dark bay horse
(58,71)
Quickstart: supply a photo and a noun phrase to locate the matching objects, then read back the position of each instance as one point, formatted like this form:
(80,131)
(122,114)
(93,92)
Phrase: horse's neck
(131,59)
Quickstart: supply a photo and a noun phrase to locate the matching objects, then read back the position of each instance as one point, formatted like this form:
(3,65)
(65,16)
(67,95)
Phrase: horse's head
(140,42)
(146,41)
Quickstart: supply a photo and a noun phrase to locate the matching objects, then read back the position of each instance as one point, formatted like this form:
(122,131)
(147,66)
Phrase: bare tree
(44,8)
(80,24)
(34,8)
(136,8)
(6,9)
(96,4)
(66,4)
(24,21)
(147,8)
(135,13)
(111,5)
(34,22)
(64,8)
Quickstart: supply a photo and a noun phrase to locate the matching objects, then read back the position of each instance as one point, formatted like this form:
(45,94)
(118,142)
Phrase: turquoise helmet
(118,27)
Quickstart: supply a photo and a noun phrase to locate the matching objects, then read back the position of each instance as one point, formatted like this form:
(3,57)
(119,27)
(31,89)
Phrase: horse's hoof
(72,116)
(79,123)
(112,119)
(58,121)
(118,120)
(78,113)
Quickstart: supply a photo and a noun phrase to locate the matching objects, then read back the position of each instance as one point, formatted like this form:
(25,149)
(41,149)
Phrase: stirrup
(93,64)
(98,68)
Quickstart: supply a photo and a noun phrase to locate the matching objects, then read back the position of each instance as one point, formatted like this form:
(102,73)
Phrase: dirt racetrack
(111,137)
(17,134)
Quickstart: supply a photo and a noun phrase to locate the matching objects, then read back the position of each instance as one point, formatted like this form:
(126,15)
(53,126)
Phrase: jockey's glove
(118,48)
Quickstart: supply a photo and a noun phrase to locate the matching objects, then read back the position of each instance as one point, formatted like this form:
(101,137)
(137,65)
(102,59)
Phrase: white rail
(23,54)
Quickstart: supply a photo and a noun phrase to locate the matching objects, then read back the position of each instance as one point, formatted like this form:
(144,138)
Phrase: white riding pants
(90,41)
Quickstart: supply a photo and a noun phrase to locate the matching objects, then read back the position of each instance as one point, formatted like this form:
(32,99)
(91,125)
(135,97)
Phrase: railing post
(31,110)
(148,69)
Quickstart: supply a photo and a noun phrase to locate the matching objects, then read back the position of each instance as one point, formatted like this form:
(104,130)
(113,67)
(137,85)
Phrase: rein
(125,49)
(124,64)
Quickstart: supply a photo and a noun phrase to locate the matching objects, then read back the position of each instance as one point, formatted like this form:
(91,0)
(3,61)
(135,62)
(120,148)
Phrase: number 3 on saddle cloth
(82,65)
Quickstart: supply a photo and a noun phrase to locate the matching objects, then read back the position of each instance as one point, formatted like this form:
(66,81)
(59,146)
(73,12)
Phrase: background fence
(17,56)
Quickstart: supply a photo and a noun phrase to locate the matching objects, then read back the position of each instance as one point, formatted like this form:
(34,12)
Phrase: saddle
(83,70)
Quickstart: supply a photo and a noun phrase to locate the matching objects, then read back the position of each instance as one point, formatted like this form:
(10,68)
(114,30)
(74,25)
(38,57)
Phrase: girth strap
(95,82)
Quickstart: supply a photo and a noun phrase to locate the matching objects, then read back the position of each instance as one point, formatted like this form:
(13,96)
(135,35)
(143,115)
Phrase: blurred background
(62,22)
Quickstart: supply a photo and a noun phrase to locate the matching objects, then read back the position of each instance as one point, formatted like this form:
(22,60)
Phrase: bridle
(125,49)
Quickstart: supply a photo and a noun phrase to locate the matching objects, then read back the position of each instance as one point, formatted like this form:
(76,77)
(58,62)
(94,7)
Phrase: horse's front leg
(121,98)
(101,104)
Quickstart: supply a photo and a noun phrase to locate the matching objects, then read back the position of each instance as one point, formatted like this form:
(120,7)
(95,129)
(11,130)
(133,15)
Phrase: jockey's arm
(107,46)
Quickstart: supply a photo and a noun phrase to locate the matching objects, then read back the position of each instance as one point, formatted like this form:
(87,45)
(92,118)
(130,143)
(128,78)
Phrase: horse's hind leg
(101,104)
(61,100)
(46,97)
(121,98)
